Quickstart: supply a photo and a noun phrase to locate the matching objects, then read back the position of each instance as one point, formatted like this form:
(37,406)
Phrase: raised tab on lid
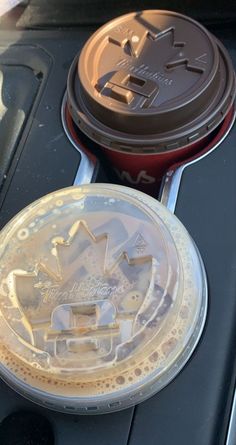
(161,61)
(150,80)
(102,292)
(95,291)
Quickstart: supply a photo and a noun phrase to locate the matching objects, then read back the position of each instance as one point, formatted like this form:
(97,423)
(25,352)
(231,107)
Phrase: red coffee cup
(150,88)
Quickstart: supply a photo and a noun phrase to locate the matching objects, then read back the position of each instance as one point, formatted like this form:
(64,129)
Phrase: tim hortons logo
(144,70)
(59,309)
(134,42)
(138,84)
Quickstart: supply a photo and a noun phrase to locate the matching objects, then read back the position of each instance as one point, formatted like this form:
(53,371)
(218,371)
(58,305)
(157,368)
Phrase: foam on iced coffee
(101,297)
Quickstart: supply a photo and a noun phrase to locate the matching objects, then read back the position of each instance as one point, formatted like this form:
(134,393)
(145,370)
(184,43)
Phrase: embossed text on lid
(102,292)
(86,299)
(155,74)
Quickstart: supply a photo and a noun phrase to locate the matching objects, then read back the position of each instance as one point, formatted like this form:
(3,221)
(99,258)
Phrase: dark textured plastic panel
(19,86)
(195,407)
(45,161)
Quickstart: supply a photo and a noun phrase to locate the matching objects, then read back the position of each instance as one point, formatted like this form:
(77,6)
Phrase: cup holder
(26,428)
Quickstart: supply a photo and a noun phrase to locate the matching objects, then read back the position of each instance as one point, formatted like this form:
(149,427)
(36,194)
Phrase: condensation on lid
(93,281)
(87,281)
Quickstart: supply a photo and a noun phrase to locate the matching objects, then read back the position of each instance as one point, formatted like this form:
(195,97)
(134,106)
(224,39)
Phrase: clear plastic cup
(103,299)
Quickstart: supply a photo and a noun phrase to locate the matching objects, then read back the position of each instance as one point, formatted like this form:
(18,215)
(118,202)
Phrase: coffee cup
(150,89)
(103,299)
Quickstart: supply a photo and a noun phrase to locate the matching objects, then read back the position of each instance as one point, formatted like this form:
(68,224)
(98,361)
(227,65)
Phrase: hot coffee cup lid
(150,81)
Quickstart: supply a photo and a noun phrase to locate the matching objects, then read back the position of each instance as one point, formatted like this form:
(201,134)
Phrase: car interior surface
(49,108)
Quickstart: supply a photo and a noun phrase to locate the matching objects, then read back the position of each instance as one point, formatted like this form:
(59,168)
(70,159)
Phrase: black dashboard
(36,158)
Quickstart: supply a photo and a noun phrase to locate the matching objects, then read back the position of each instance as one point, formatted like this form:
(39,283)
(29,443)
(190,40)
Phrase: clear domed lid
(91,280)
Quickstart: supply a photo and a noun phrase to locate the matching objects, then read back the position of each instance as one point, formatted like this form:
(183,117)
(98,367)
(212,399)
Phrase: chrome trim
(168,197)
(87,166)
(172,180)
(231,436)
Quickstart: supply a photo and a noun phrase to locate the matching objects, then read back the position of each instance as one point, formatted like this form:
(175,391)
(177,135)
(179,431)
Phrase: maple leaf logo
(133,39)
(143,71)
(85,303)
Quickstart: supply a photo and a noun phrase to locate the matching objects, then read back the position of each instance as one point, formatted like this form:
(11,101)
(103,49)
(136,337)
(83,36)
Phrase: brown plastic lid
(150,81)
